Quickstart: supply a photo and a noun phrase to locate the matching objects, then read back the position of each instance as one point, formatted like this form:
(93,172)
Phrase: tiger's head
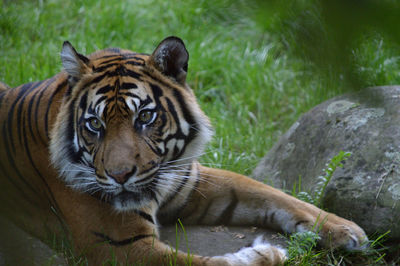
(125,121)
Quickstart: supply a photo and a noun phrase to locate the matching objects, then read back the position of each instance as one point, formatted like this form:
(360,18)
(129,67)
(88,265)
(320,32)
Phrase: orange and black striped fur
(106,150)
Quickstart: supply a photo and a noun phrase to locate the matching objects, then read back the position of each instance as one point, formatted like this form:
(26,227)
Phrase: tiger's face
(129,125)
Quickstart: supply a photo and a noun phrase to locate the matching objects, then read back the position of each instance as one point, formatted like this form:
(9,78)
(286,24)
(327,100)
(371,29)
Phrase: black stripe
(204,213)
(188,116)
(184,180)
(70,152)
(148,170)
(83,101)
(68,91)
(19,124)
(130,94)
(122,55)
(226,216)
(21,192)
(109,240)
(83,58)
(155,150)
(181,209)
(14,166)
(118,72)
(102,68)
(121,99)
(50,102)
(178,135)
(22,91)
(126,72)
(21,106)
(109,111)
(271,220)
(171,108)
(109,56)
(172,196)
(138,58)
(157,93)
(155,141)
(145,216)
(128,86)
(36,117)
(265,220)
(51,200)
(154,195)
(104,90)
(29,115)
(102,98)
(145,101)
(135,63)
(195,188)
(2,96)
(162,82)
(106,62)
(99,78)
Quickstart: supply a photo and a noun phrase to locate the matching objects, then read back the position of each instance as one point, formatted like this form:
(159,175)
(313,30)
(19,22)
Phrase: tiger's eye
(145,116)
(95,124)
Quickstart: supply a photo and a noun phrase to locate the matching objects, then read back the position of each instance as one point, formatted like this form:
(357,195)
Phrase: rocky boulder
(367,189)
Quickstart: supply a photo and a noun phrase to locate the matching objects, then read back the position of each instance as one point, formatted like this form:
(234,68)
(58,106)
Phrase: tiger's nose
(121,175)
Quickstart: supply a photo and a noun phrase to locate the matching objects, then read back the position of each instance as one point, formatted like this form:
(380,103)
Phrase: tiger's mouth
(131,197)
(135,193)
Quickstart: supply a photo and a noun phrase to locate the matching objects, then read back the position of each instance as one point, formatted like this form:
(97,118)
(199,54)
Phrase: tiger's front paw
(343,233)
(260,253)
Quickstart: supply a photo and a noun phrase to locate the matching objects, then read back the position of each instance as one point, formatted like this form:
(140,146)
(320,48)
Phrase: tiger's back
(25,118)
(3,86)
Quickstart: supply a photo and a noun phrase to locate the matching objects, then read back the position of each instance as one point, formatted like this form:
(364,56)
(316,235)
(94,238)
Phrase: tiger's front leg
(223,197)
(104,236)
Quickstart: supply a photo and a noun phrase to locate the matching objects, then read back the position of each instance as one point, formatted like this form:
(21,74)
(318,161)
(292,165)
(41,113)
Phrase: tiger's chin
(128,200)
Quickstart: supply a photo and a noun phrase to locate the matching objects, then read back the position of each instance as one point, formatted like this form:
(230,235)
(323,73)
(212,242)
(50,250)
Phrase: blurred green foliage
(339,37)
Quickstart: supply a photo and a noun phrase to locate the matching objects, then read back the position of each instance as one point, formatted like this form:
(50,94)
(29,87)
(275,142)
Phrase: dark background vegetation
(333,35)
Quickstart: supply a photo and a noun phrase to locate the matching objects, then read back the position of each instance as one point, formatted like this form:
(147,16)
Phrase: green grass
(302,252)
(246,64)
(242,74)
(246,73)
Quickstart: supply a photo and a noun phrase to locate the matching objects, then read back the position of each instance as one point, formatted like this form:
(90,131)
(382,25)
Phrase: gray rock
(367,189)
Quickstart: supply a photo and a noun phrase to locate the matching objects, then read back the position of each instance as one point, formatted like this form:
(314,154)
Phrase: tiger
(107,151)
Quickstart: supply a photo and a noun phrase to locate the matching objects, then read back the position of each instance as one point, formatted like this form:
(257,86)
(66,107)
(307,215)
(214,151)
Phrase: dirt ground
(18,248)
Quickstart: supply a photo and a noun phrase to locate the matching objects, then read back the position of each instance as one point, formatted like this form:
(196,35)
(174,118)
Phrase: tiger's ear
(74,63)
(171,58)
